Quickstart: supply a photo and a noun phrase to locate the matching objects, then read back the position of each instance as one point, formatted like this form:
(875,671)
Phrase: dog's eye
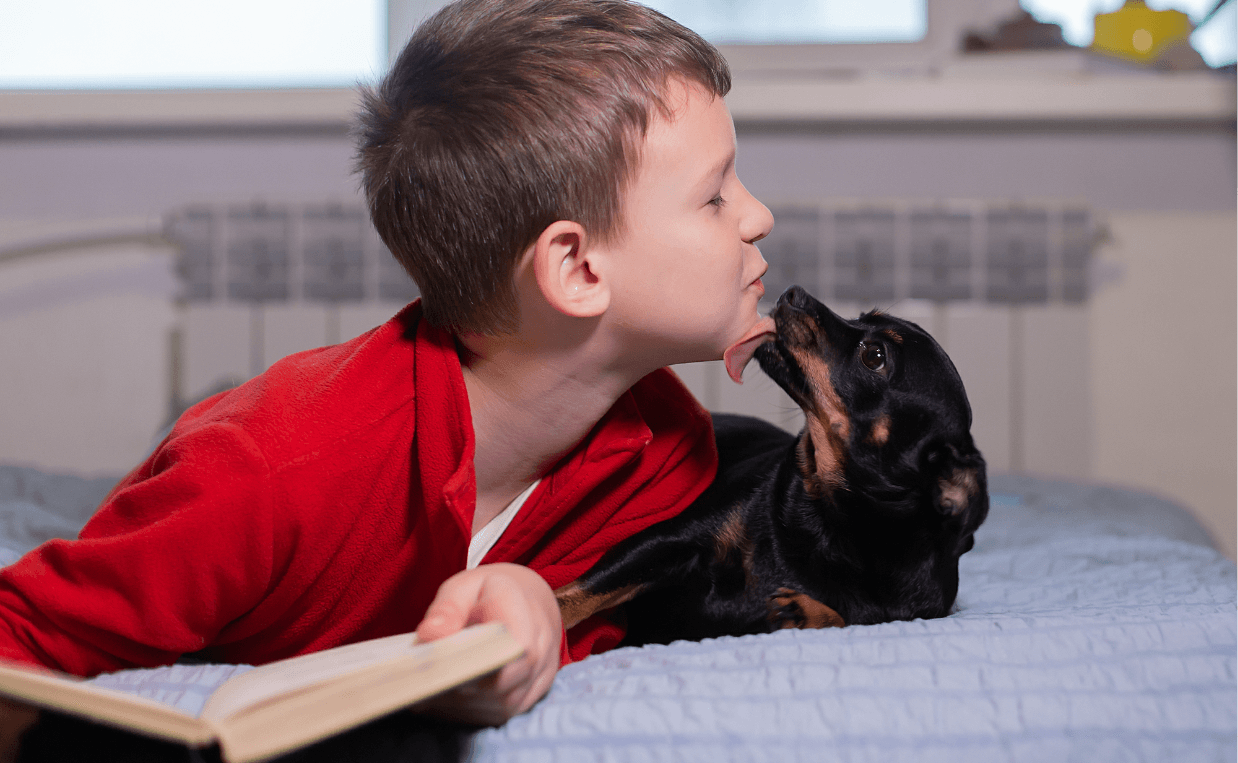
(873,356)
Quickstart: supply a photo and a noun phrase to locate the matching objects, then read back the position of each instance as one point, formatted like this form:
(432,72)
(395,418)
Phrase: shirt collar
(444,447)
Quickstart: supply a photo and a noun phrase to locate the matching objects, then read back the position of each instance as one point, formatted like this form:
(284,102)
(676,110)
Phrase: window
(786,35)
(766,22)
(93,44)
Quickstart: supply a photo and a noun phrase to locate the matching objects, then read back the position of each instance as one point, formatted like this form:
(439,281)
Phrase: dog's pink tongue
(737,355)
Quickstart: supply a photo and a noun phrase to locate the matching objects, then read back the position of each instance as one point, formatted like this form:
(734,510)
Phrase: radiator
(1002,286)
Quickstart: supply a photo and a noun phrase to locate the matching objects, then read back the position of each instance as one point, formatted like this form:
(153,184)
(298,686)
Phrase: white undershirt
(485,538)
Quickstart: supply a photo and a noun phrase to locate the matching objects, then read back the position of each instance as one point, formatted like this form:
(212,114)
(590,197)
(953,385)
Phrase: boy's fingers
(519,598)
(481,701)
(473,597)
(536,624)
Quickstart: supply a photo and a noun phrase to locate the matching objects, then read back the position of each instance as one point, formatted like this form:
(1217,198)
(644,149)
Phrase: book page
(71,695)
(262,683)
(305,715)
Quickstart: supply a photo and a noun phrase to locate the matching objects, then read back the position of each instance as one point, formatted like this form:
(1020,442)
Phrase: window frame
(944,29)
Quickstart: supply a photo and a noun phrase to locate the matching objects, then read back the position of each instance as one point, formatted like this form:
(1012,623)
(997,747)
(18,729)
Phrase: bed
(1093,624)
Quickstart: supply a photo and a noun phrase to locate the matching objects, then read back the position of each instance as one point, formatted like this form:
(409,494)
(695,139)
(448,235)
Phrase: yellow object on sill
(1137,32)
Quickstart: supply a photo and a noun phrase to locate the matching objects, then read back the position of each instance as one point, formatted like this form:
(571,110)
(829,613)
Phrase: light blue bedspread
(1092,624)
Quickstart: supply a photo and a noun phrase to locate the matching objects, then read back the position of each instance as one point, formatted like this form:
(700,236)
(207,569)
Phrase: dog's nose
(795,296)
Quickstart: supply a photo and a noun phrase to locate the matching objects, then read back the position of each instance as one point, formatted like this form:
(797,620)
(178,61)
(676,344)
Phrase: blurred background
(1047,186)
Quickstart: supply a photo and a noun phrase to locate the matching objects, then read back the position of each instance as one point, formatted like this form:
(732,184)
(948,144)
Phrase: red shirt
(324,502)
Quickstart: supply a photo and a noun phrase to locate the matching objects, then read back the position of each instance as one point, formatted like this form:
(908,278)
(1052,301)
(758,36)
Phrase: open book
(288,704)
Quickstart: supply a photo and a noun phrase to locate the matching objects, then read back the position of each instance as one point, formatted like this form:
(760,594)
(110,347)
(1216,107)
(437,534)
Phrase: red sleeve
(595,635)
(181,547)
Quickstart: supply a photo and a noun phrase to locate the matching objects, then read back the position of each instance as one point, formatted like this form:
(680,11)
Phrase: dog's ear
(958,477)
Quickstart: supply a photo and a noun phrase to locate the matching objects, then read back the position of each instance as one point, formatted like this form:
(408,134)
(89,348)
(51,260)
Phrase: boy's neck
(532,402)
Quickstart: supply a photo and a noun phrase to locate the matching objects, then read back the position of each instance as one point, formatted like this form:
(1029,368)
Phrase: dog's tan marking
(806,460)
(829,406)
(792,609)
(880,433)
(799,330)
(821,466)
(895,337)
(576,604)
(827,424)
(957,490)
(732,536)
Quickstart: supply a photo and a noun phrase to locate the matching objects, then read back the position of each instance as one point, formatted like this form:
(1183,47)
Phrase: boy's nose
(758,221)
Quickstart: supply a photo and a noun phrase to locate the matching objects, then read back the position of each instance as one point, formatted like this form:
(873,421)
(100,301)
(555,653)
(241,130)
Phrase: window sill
(999,98)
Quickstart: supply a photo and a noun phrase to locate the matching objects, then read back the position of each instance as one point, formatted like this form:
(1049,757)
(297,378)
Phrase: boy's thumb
(449,612)
(439,622)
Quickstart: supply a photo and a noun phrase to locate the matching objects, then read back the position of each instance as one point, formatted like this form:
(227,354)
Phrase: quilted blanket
(1092,624)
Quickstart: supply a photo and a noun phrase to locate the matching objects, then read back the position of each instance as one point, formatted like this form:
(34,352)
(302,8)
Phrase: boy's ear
(567,273)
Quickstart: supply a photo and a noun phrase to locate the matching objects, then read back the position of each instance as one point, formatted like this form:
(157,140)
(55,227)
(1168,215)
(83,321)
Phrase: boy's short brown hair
(499,118)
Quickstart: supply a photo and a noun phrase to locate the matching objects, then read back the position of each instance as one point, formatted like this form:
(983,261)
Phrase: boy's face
(686,273)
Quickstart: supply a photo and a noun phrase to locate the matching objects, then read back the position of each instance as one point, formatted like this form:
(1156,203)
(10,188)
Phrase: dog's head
(887,426)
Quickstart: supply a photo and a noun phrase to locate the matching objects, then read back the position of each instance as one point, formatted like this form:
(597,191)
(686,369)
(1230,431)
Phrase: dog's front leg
(646,561)
(577,603)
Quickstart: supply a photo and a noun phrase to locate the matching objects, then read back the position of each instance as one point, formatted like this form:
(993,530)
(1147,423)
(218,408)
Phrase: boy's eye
(717,201)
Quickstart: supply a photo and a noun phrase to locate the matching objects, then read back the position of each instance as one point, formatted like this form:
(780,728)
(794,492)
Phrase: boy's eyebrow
(721,168)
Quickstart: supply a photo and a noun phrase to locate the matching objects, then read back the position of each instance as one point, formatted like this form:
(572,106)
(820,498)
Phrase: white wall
(1163,363)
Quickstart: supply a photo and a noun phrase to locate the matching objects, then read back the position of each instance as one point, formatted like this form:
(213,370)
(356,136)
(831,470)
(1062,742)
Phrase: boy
(558,177)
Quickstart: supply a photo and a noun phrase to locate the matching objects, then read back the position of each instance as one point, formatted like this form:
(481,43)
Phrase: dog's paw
(793,609)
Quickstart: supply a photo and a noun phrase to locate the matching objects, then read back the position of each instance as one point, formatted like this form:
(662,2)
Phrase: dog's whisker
(889,309)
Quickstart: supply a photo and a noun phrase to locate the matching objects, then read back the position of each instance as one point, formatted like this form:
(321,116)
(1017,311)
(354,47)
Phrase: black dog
(860,519)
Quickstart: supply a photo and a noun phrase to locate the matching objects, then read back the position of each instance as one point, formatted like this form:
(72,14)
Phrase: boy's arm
(519,598)
(177,550)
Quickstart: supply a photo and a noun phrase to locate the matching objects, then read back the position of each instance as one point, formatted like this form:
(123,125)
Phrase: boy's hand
(520,599)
